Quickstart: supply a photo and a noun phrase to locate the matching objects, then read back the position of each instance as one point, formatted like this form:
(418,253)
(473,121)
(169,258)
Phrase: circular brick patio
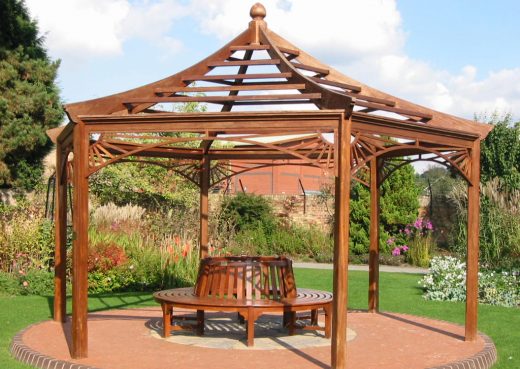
(129,339)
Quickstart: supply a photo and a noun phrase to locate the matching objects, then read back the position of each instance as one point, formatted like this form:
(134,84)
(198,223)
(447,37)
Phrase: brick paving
(128,339)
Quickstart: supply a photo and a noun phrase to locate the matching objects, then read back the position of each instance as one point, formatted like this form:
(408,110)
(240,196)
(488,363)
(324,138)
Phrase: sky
(458,56)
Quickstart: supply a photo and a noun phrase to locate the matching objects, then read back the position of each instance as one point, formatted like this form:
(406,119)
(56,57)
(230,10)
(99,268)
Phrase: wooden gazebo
(260,69)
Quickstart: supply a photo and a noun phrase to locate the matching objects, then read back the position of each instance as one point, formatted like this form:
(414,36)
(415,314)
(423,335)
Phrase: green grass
(399,293)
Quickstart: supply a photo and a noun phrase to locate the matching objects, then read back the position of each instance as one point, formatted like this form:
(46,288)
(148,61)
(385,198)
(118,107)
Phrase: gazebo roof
(260,68)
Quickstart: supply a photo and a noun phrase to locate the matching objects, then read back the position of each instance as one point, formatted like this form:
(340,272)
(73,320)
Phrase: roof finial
(257,12)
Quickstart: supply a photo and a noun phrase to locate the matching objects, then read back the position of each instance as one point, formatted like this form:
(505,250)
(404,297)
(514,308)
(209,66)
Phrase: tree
(500,152)
(29,98)
(399,206)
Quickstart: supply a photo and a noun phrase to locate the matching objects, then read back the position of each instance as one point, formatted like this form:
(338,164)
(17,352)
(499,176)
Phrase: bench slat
(274,288)
(257,280)
(240,283)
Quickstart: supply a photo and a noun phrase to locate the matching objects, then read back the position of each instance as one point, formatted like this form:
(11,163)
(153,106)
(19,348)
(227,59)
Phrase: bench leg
(314,317)
(291,324)
(167,319)
(200,322)
(328,319)
(241,319)
(250,327)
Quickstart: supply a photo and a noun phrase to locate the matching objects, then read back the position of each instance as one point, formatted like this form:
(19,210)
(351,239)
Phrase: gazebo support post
(473,244)
(80,243)
(340,283)
(60,251)
(373,261)
(204,206)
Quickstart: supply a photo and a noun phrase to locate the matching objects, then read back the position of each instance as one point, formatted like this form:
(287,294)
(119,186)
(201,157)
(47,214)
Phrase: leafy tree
(500,152)
(29,98)
(399,206)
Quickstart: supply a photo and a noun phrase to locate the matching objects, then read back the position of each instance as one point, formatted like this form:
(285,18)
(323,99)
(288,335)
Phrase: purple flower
(404,248)
(390,241)
(418,223)
(407,231)
(396,251)
(429,225)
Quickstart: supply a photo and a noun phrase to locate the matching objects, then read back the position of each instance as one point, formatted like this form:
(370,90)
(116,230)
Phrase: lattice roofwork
(259,68)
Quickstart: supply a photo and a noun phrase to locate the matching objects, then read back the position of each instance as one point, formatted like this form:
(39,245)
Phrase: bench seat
(250,286)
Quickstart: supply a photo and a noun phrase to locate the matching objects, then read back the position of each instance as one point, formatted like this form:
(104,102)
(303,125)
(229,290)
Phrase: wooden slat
(274,287)
(336,84)
(249,47)
(217,77)
(240,282)
(224,99)
(257,280)
(265,280)
(377,100)
(393,109)
(311,68)
(281,281)
(249,281)
(235,63)
(230,282)
(243,87)
(289,51)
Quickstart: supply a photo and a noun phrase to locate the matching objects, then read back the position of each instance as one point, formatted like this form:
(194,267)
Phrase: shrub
(446,281)
(247,211)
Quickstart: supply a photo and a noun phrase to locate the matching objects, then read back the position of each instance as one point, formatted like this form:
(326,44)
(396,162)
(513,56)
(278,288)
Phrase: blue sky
(458,56)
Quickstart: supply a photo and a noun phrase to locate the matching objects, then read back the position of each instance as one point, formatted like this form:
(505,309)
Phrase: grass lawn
(399,293)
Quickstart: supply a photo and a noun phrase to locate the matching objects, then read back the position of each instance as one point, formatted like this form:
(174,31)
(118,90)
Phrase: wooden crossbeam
(336,84)
(369,98)
(311,68)
(243,87)
(249,47)
(391,109)
(289,51)
(244,62)
(223,99)
(191,78)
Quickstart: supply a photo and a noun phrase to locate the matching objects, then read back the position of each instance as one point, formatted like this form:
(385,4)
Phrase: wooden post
(473,245)
(204,206)
(340,283)
(60,227)
(80,243)
(373,261)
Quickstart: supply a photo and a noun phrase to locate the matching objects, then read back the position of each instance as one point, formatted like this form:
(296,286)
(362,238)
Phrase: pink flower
(407,231)
(404,248)
(429,225)
(396,251)
(390,241)
(418,223)
(25,283)
(21,272)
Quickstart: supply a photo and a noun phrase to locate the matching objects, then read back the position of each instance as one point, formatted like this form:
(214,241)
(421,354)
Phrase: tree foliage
(29,98)
(399,206)
(500,152)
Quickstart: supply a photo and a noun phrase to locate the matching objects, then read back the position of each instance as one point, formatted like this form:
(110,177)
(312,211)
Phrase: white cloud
(84,28)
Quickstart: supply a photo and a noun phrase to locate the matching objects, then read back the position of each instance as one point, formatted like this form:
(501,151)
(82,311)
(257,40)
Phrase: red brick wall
(276,180)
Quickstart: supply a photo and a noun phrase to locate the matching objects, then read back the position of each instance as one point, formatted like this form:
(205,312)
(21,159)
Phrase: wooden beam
(224,99)
(248,47)
(204,205)
(471,332)
(243,87)
(286,50)
(236,63)
(340,282)
(311,68)
(336,84)
(80,244)
(60,225)
(393,109)
(218,77)
(373,261)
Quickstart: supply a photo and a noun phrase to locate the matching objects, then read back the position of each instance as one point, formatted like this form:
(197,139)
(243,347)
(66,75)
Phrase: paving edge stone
(21,352)
(484,359)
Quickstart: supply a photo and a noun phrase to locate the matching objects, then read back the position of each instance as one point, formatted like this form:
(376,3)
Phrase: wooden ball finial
(257,12)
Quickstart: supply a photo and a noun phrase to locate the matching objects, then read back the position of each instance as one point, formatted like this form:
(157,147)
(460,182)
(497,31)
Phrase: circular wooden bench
(250,286)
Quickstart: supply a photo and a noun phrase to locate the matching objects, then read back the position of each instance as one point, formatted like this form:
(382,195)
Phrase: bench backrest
(242,277)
